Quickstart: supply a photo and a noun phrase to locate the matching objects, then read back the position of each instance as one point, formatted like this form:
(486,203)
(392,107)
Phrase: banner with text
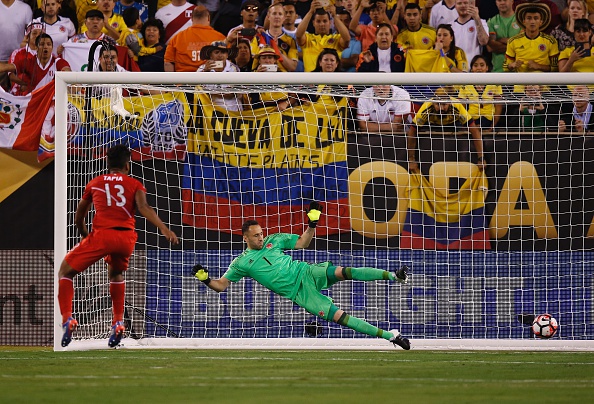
(267,165)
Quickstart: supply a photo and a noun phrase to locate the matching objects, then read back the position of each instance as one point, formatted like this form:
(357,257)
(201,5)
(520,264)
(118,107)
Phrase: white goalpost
(214,150)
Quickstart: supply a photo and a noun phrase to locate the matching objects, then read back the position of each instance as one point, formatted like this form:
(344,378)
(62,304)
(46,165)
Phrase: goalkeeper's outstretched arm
(313,215)
(218,285)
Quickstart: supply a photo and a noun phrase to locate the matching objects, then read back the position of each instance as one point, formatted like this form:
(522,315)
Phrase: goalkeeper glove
(313,214)
(201,274)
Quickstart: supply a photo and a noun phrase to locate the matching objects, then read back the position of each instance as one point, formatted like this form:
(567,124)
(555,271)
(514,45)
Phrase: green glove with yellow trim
(314,213)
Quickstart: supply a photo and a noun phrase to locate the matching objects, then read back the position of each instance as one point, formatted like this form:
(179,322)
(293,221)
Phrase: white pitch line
(261,358)
(298,379)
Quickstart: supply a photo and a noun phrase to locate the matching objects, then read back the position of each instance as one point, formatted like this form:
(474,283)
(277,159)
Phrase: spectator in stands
(553,9)
(14,18)
(131,35)
(445,114)
(533,115)
(183,51)
(578,117)
(35,73)
(153,37)
(501,27)
(282,43)
(578,58)
(244,58)
(217,57)
(446,44)
(290,28)
(328,61)
(82,7)
(93,29)
(108,60)
(532,50)
(377,13)
(384,55)
(114,23)
(563,32)
(250,10)
(177,17)
(267,61)
(59,28)
(313,44)
(123,5)
(415,34)
(471,32)
(350,55)
(351,7)
(24,56)
(66,9)
(481,107)
(76,55)
(384,109)
(442,12)
(290,17)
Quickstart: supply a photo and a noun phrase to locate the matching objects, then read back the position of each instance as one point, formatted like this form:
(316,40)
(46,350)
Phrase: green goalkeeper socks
(367,274)
(363,326)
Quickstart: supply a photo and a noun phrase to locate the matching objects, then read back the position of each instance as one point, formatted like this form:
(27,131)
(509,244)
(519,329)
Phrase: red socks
(65,296)
(117,290)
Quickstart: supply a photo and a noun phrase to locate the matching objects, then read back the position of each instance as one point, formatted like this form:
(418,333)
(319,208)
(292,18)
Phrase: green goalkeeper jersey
(270,266)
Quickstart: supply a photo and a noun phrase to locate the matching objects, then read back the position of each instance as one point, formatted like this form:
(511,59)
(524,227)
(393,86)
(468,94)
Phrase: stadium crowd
(303,35)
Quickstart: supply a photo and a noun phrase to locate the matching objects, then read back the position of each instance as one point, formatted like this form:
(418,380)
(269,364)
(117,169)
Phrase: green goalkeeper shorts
(309,296)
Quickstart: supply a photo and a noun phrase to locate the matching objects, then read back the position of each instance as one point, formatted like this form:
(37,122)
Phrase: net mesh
(483,246)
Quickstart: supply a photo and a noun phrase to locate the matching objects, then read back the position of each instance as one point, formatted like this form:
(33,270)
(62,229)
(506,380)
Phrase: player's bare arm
(218,285)
(79,217)
(147,211)
(313,215)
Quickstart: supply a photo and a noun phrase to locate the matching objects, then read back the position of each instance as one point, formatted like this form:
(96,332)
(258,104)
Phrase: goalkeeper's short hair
(246,225)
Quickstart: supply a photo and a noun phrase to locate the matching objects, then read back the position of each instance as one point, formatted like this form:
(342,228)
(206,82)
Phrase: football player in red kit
(115,196)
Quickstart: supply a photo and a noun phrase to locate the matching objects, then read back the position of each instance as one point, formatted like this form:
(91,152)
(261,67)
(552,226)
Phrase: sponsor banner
(268,166)
(479,297)
(154,126)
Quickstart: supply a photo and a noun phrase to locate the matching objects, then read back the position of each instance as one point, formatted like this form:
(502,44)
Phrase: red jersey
(37,74)
(114,198)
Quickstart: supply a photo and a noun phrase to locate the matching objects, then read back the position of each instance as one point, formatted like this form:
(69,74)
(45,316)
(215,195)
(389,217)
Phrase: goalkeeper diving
(264,261)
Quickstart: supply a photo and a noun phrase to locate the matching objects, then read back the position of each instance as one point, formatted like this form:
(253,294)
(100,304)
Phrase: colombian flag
(440,219)
(268,166)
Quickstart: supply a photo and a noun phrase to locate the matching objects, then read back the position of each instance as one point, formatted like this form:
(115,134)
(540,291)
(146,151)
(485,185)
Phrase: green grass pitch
(39,375)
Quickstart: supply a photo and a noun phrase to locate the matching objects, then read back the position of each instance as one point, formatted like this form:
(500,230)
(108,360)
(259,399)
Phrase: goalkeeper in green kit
(264,261)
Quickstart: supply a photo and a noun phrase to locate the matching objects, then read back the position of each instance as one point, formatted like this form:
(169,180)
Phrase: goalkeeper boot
(117,332)
(399,340)
(402,274)
(69,326)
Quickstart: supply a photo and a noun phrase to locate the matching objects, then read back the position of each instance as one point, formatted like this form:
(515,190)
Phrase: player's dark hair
(43,35)
(131,15)
(412,6)
(247,224)
(118,156)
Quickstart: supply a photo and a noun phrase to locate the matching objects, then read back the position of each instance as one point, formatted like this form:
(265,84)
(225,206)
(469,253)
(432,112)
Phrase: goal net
(484,246)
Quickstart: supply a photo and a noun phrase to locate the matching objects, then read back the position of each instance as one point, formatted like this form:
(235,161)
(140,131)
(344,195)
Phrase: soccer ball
(545,326)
